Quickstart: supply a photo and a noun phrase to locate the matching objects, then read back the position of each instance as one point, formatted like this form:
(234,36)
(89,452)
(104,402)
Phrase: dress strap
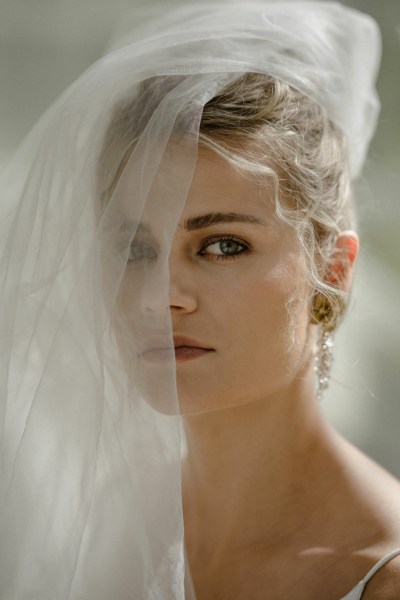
(380,564)
(357,592)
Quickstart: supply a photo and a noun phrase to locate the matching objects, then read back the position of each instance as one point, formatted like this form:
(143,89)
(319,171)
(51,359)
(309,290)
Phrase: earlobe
(344,255)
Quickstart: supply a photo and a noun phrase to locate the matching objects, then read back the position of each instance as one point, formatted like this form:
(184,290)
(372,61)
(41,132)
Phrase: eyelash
(147,251)
(152,254)
(224,238)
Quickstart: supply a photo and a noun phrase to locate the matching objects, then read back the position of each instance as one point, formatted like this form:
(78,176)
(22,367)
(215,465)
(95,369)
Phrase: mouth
(188,349)
(184,349)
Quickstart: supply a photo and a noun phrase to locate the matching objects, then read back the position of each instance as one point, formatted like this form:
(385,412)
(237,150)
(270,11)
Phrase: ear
(344,255)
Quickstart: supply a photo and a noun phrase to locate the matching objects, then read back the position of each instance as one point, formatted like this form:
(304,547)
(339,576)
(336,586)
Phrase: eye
(224,247)
(141,251)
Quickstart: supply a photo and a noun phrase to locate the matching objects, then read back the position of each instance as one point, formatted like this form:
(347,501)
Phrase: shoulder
(385,584)
(375,492)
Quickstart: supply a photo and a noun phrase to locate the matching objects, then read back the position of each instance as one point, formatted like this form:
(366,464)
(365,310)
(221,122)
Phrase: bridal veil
(90,488)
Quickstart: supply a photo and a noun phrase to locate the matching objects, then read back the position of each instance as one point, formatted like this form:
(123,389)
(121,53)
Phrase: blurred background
(46,44)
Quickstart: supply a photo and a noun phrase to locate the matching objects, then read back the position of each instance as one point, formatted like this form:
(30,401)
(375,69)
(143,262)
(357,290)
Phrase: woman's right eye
(141,251)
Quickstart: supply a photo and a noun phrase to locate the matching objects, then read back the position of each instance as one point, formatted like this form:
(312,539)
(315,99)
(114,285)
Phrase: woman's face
(237,294)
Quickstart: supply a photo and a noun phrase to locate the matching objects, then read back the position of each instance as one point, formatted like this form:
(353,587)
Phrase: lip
(180,341)
(159,349)
(156,343)
(187,348)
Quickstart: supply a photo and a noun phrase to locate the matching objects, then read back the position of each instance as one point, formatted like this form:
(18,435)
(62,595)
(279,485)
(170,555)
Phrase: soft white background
(46,44)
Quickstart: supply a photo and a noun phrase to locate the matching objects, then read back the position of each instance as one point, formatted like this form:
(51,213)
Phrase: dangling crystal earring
(326,317)
(323,359)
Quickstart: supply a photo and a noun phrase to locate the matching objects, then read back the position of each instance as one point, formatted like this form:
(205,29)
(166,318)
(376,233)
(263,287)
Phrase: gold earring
(324,314)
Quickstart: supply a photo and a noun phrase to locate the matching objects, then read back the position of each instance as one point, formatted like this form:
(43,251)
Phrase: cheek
(271,317)
(262,327)
(266,296)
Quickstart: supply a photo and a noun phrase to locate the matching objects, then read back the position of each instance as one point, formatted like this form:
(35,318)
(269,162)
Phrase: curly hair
(296,146)
(270,131)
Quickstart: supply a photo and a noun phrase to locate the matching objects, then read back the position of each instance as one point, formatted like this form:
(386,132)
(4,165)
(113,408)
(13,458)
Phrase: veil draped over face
(90,486)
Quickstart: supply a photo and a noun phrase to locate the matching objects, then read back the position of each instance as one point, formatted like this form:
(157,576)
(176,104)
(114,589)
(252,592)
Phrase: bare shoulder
(381,496)
(375,489)
(385,585)
(375,523)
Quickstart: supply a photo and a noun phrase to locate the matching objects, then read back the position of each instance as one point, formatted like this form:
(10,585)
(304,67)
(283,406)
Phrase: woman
(178,250)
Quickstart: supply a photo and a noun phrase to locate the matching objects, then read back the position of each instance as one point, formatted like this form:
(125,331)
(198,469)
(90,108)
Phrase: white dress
(355,594)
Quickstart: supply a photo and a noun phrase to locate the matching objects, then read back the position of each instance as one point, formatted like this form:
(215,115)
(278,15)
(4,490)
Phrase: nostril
(181,299)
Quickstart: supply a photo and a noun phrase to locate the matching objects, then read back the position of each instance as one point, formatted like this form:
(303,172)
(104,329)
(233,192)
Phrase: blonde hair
(268,129)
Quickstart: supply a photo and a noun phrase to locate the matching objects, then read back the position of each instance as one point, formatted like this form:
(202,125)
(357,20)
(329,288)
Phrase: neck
(245,470)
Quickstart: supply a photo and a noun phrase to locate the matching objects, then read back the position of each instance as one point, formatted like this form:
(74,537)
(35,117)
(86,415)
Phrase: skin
(276,503)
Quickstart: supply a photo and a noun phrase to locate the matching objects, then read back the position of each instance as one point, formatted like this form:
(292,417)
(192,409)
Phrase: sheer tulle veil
(90,488)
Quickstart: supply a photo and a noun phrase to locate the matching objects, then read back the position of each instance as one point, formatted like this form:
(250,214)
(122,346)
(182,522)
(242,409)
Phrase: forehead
(218,185)
(213,185)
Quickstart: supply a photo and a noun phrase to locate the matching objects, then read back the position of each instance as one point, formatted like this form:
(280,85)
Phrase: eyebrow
(213,218)
(137,226)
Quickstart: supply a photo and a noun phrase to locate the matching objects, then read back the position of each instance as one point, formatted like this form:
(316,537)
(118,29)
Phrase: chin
(202,403)
(156,384)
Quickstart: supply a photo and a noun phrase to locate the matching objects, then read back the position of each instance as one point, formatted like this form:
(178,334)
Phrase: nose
(182,288)
(169,287)
(180,298)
